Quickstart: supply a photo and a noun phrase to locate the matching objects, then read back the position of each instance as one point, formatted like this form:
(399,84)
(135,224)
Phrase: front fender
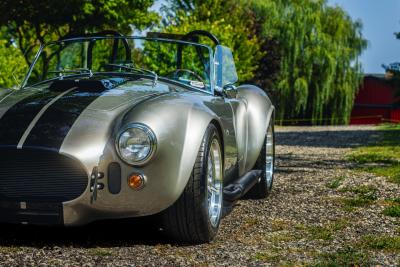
(179,122)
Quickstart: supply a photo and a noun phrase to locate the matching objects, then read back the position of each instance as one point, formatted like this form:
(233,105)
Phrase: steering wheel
(176,75)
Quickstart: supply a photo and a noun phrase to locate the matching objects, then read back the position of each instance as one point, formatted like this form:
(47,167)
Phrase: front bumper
(45,203)
(83,210)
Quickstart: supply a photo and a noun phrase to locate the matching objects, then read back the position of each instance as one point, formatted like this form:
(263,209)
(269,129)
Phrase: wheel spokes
(269,156)
(214,183)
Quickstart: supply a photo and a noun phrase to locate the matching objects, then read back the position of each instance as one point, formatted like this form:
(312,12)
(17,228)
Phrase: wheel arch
(217,124)
(179,122)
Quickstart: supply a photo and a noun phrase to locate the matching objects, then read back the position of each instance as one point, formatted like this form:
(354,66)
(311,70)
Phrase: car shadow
(329,138)
(289,163)
(112,233)
(315,137)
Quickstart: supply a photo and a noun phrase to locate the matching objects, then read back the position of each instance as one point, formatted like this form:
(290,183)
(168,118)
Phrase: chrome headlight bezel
(152,139)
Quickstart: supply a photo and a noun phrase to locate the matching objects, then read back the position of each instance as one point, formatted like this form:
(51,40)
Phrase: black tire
(187,220)
(263,189)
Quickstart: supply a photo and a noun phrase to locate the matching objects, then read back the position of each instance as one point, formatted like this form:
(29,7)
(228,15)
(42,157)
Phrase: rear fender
(259,114)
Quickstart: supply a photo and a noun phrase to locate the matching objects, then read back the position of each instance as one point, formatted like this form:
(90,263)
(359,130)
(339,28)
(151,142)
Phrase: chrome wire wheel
(269,157)
(214,183)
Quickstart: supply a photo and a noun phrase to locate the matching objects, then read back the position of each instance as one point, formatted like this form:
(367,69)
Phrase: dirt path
(310,218)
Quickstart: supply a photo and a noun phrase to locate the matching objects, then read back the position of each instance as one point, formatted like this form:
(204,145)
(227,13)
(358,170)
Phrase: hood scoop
(87,85)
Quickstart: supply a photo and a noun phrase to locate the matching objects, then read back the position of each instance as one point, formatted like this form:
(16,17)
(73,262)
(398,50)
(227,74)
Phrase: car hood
(45,116)
(4,92)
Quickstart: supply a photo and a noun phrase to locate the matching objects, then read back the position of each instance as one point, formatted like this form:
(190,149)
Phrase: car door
(225,79)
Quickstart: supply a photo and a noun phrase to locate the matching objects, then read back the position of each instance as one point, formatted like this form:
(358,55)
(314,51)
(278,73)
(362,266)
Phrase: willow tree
(310,51)
(318,47)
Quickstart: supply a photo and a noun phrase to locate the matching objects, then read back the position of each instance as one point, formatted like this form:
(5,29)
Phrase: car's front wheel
(196,215)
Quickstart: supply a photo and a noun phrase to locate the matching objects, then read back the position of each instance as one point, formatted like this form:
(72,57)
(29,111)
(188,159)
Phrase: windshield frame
(211,58)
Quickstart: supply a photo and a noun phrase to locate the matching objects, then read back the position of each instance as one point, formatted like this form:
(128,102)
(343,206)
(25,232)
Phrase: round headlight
(136,144)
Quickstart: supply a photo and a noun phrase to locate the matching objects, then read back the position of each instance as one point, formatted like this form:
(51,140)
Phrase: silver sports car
(107,126)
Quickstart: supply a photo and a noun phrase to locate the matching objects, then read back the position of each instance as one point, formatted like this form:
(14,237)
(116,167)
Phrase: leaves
(228,20)
(12,66)
(303,52)
(31,23)
(319,48)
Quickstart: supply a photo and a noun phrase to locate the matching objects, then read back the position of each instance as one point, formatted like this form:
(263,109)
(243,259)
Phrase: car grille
(40,176)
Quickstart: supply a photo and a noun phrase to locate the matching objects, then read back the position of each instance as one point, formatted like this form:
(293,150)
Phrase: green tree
(393,77)
(32,23)
(227,19)
(396,74)
(306,53)
(12,65)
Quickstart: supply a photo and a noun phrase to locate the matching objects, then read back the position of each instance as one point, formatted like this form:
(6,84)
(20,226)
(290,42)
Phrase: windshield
(183,62)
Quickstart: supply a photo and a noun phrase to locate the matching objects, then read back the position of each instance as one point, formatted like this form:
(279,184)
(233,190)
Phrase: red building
(376,102)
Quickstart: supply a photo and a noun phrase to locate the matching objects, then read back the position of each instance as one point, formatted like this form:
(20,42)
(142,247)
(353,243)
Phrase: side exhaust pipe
(241,186)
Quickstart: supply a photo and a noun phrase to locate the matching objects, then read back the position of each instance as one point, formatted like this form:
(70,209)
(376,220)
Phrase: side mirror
(230,91)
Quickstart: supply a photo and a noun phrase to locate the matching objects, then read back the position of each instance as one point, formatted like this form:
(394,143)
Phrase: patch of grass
(390,126)
(339,224)
(365,195)
(101,252)
(345,257)
(278,256)
(350,203)
(383,157)
(392,172)
(382,242)
(250,222)
(394,200)
(300,227)
(279,225)
(283,236)
(374,154)
(348,208)
(392,211)
(335,183)
(362,190)
(267,257)
(325,232)
(320,233)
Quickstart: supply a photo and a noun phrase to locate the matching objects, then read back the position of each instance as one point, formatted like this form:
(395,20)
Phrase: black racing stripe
(52,128)
(16,120)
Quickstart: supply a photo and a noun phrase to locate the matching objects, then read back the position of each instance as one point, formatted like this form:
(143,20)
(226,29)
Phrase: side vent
(87,85)
(114,178)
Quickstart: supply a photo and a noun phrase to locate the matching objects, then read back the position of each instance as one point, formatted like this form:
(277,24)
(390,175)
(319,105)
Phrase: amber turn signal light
(136,181)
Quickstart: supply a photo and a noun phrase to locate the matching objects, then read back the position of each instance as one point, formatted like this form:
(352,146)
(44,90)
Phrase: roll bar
(192,36)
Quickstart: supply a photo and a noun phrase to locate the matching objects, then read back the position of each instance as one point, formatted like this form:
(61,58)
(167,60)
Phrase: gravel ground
(302,220)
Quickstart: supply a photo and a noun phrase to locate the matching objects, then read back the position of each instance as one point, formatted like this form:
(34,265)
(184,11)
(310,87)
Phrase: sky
(381,18)
(157,5)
